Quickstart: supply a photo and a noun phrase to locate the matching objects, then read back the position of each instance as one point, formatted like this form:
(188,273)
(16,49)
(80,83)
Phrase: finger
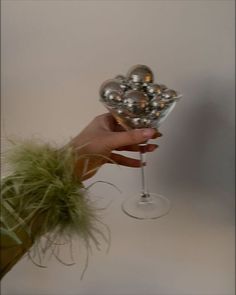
(125,161)
(157,134)
(118,128)
(136,148)
(152,147)
(125,138)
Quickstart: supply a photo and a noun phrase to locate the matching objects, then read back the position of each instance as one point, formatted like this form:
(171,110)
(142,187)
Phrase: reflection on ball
(114,97)
(140,74)
(169,93)
(110,86)
(154,89)
(135,101)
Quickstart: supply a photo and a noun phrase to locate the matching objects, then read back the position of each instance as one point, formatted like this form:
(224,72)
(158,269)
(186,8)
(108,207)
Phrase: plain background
(55,55)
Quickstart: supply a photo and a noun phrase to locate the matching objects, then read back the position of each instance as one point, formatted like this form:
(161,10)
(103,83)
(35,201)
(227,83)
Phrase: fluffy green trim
(42,185)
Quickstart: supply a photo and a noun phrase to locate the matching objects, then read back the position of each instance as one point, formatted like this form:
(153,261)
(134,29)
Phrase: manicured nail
(148,133)
(153,148)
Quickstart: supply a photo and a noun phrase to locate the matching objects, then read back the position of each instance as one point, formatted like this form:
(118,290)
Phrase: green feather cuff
(45,197)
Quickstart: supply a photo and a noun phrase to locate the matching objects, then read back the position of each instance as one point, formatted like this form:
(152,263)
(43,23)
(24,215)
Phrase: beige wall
(55,55)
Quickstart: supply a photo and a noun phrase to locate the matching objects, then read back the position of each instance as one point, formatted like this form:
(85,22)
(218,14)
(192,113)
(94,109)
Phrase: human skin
(95,146)
(96,143)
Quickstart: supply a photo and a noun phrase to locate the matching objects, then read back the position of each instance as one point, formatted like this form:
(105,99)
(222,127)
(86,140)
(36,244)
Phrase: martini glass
(134,109)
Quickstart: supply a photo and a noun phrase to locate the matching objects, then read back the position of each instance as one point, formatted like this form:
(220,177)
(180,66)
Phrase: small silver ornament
(126,113)
(125,86)
(140,74)
(119,112)
(135,101)
(110,86)
(147,109)
(169,94)
(135,85)
(145,122)
(135,122)
(155,101)
(161,106)
(154,115)
(153,89)
(123,83)
(165,112)
(114,97)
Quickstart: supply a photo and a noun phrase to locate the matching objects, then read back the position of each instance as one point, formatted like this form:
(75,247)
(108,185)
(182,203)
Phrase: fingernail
(148,133)
(153,148)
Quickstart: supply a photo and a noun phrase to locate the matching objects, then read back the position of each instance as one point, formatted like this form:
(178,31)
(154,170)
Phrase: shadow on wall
(200,151)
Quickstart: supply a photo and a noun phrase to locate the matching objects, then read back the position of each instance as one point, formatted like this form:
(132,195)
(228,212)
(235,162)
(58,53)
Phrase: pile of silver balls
(135,100)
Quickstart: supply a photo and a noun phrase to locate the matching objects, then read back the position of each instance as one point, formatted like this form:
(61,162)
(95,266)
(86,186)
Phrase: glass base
(150,206)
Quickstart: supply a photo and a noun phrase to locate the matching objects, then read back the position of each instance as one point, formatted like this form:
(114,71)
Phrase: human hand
(96,143)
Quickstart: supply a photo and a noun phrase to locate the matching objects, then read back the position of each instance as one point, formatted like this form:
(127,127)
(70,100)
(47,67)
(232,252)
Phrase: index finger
(118,128)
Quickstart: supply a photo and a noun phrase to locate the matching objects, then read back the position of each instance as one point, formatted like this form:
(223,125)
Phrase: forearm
(16,242)
(11,252)
(41,196)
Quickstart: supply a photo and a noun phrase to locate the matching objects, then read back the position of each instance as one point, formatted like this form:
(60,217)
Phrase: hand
(95,145)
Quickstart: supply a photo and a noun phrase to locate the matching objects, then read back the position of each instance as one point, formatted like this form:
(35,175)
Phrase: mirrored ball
(154,89)
(114,97)
(136,85)
(110,86)
(145,122)
(135,122)
(169,94)
(135,101)
(154,114)
(155,101)
(140,74)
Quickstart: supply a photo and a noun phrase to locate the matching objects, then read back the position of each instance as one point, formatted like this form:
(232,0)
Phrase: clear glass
(146,205)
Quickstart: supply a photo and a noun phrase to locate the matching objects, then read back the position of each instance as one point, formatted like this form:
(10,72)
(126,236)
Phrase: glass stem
(144,191)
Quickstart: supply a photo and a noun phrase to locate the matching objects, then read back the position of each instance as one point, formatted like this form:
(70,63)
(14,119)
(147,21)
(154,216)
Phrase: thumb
(136,136)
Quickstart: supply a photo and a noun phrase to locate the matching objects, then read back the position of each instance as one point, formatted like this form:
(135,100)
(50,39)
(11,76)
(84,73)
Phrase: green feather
(42,183)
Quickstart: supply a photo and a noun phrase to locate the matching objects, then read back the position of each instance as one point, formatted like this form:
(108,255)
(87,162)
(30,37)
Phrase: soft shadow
(200,150)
